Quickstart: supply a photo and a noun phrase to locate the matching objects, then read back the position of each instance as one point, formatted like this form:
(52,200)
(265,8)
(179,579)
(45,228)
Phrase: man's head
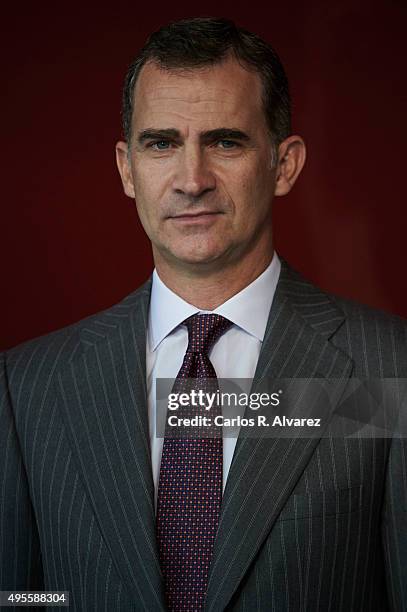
(198,43)
(206,115)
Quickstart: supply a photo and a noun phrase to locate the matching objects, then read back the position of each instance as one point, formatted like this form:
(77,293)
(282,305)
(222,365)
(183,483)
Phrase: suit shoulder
(56,348)
(356,312)
(376,340)
(304,292)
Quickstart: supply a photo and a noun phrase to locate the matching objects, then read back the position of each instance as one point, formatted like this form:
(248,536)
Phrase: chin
(197,258)
(197,253)
(200,259)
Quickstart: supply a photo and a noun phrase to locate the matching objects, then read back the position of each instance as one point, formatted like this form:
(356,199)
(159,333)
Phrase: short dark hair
(198,42)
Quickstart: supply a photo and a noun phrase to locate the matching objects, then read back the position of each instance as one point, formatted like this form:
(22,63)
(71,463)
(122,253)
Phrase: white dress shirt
(234,355)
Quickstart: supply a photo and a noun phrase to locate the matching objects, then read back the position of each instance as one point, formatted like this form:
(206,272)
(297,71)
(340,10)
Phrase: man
(93,502)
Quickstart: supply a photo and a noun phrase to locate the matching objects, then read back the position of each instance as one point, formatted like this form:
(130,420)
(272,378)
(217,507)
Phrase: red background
(71,240)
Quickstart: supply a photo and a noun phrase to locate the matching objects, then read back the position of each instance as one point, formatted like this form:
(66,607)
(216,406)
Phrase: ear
(291,159)
(123,165)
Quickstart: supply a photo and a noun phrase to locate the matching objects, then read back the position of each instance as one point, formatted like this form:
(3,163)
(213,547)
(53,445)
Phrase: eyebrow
(205,137)
(224,134)
(152,134)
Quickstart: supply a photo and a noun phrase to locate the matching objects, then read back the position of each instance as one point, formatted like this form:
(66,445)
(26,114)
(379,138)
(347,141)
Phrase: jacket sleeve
(20,554)
(394,525)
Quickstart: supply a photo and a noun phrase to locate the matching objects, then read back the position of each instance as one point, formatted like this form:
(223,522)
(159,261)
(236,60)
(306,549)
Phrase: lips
(197,214)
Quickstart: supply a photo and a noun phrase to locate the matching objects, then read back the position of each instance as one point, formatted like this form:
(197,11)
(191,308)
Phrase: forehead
(223,94)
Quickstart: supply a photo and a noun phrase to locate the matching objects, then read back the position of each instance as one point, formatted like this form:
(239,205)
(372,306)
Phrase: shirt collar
(249,309)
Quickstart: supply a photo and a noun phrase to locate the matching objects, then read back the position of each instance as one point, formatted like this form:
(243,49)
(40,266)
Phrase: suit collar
(305,319)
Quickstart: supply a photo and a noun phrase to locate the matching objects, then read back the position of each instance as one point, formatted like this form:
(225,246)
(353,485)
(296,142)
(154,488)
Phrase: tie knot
(204,330)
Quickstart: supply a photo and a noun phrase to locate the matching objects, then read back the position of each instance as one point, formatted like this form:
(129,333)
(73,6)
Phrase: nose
(193,176)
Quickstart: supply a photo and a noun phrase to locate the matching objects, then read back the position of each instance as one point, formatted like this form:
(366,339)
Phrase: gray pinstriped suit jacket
(306,525)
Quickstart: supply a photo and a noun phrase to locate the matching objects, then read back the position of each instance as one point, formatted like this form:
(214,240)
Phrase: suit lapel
(104,406)
(264,471)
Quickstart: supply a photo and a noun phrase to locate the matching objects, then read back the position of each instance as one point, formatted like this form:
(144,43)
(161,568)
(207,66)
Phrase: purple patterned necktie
(190,485)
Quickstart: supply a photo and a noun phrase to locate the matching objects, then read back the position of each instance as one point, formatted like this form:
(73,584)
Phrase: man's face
(201,164)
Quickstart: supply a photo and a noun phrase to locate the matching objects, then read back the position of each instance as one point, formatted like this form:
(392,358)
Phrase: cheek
(250,176)
(145,193)
(246,188)
(150,182)
(261,185)
(253,195)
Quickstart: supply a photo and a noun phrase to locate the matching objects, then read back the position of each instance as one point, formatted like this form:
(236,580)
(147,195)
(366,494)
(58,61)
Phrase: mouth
(196,217)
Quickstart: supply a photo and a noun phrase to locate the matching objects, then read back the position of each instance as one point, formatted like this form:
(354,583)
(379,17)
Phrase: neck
(210,290)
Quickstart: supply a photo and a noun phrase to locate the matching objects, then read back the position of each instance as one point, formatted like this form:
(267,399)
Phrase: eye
(160,145)
(227,144)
